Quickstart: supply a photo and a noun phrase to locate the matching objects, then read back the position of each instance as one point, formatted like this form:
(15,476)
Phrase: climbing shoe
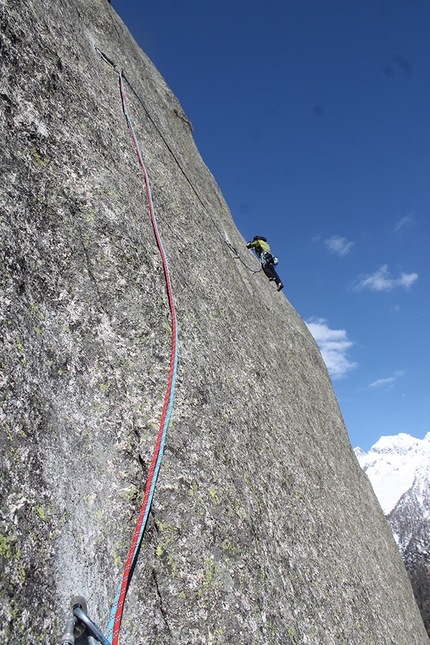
(280,286)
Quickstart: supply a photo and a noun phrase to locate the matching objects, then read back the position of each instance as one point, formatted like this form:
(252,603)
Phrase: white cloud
(407,221)
(382,280)
(338,245)
(333,344)
(383,381)
(386,381)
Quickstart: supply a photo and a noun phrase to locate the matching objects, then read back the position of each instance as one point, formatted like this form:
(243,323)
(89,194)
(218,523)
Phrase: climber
(268,261)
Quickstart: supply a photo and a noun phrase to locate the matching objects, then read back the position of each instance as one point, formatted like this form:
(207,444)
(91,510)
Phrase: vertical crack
(160,601)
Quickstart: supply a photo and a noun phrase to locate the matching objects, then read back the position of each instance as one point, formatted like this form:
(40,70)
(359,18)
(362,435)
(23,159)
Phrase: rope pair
(118,604)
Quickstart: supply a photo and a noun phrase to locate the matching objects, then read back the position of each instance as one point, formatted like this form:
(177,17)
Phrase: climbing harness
(142,103)
(267,258)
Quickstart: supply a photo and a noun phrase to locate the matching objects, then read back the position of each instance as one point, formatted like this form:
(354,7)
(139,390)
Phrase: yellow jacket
(260,247)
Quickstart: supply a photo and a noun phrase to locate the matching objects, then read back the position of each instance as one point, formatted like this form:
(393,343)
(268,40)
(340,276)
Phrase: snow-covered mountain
(399,470)
(396,464)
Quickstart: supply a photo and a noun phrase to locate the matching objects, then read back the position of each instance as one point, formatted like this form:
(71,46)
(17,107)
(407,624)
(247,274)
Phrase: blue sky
(314,119)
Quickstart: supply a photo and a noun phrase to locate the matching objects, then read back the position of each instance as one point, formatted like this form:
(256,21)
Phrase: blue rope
(117,607)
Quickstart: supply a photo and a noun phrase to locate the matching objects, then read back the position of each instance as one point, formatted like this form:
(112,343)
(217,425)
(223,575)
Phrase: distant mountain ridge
(398,468)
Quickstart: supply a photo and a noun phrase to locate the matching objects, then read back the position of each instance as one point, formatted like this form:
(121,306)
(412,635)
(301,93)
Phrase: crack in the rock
(143,465)
(160,601)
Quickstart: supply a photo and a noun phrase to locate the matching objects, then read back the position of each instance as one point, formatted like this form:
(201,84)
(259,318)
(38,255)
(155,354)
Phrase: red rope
(165,415)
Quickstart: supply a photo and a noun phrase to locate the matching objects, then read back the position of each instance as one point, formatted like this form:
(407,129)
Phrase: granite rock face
(263,528)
